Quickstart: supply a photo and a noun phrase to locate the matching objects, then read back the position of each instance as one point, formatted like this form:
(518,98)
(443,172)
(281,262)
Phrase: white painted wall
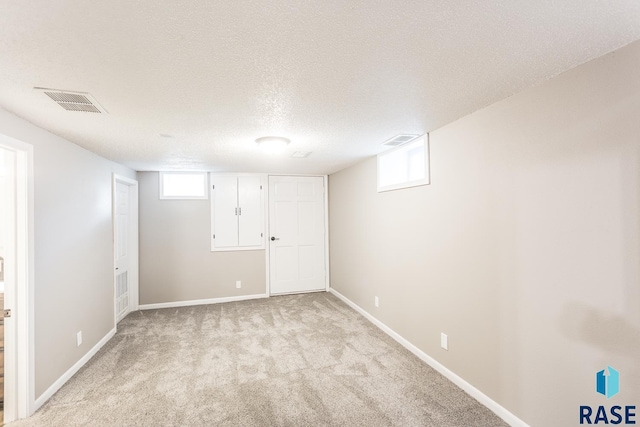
(176,262)
(73,248)
(524,249)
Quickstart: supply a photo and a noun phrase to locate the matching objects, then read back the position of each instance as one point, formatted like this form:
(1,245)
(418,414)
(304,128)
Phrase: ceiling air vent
(73,101)
(301,154)
(400,140)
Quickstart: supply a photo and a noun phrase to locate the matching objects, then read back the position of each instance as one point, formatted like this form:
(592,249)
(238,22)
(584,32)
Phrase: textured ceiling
(336,77)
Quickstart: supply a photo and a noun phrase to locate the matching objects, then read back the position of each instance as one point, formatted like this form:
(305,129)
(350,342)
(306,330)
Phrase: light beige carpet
(300,360)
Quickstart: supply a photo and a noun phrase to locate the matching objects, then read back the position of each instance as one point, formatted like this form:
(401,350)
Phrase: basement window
(404,166)
(183,185)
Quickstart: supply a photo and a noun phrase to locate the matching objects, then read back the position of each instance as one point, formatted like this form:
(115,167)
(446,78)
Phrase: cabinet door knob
(274,238)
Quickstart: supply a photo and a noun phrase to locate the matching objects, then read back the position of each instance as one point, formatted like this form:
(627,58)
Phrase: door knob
(274,238)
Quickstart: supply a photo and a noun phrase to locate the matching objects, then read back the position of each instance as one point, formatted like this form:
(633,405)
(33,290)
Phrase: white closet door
(296,227)
(224,201)
(250,211)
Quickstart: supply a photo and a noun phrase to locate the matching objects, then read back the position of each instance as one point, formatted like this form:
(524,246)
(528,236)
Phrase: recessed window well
(404,166)
(183,185)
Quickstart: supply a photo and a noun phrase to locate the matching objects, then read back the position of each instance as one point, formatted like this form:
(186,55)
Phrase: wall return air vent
(73,101)
(400,140)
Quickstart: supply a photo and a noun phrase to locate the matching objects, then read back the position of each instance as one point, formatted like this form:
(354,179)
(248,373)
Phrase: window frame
(406,184)
(205,186)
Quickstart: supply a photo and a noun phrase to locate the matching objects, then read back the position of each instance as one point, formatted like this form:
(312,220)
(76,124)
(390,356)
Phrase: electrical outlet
(444,341)
(238,284)
(376,302)
(79,338)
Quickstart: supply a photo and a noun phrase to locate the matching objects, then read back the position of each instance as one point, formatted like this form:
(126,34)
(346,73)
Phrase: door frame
(133,276)
(325,181)
(19,333)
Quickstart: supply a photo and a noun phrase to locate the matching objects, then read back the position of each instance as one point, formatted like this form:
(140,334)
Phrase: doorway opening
(16,277)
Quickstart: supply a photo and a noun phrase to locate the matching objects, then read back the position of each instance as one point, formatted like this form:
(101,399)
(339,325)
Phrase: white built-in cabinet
(237,212)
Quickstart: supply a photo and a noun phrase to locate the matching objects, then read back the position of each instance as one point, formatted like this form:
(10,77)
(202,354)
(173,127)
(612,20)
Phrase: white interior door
(296,227)
(122,212)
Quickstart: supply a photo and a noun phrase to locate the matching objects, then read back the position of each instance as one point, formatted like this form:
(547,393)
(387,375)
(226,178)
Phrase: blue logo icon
(608,382)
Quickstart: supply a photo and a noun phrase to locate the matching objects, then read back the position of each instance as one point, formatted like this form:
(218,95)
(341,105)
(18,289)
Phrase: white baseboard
(75,368)
(499,410)
(200,302)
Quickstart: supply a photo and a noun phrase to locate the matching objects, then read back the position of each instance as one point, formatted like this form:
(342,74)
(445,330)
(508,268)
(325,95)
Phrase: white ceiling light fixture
(273,144)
